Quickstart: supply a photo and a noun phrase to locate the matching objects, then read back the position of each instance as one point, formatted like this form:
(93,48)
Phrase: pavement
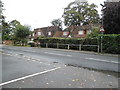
(43,68)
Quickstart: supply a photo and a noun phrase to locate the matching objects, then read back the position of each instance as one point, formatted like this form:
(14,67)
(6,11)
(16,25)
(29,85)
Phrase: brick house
(71,31)
(51,31)
(78,31)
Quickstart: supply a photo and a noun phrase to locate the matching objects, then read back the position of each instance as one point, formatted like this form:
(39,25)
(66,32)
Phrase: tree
(9,29)
(80,13)
(1,9)
(57,22)
(1,16)
(111,17)
(21,34)
(95,32)
(13,25)
(4,26)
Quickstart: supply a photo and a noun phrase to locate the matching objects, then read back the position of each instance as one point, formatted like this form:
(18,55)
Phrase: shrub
(111,43)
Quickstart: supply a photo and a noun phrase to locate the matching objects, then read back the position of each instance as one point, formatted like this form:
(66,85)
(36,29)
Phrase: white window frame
(65,33)
(80,32)
(49,33)
(39,33)
(33,34)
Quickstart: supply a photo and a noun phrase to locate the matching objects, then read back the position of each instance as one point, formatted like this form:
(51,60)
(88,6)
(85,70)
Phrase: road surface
(26,67)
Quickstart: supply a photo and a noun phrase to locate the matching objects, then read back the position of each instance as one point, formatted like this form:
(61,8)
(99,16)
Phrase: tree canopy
(80,13)
(57,22)
(111,17)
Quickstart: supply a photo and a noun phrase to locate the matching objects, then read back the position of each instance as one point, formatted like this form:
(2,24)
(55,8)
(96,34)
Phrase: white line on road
(102,60)
(58,54)
(32,75)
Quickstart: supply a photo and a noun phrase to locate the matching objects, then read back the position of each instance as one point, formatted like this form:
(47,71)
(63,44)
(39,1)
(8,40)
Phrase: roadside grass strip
(32,75)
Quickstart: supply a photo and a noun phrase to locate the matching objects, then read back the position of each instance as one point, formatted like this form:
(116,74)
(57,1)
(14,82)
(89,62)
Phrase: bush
(73,42)
(111,43)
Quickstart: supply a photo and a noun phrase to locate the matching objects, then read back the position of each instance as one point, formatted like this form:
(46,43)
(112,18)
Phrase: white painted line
(58,54)
(32,75)
(69,55)
(102,60)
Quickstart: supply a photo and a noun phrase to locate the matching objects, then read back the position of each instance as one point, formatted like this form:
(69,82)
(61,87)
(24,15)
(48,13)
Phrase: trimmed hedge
(73,42)
(111,43)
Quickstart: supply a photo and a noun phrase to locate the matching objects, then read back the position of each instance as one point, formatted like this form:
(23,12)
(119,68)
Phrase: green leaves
(22,32)
(57,22)
(111,17)
(80,13)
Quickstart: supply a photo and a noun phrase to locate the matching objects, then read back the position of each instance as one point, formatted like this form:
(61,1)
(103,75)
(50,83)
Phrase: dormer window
(49,33)
(39,33)
(80,32)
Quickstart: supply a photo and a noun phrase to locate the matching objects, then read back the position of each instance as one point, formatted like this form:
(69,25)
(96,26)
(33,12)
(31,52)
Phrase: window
(32,39)
(33,34)
(65,33)
(49,33)
(80,32)
(39,33)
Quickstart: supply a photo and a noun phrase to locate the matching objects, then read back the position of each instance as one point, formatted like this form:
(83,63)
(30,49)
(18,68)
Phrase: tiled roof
(58,34)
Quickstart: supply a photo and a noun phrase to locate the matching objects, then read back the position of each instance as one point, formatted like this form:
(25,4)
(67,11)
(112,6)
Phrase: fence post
(98,48)
(46,45)
(80,47)
(57,45)
(68,46)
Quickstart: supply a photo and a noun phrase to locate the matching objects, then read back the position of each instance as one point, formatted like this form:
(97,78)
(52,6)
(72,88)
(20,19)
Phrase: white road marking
(58,54)
(32,75)
(102,60)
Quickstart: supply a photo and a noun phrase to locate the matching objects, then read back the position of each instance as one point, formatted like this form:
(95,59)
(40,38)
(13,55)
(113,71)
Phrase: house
(78,31)
(71,31)
(51,31)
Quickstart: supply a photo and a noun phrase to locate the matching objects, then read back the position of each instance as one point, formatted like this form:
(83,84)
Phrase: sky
(38,13)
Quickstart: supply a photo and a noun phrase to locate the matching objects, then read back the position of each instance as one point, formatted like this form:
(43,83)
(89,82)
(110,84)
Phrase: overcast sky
(38,13)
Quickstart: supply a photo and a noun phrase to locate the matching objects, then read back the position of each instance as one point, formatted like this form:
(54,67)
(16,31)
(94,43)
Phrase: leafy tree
(111,17)
(4,26)
(78,13)
(57,22)
(13,25)
(1,16)
(95,32)
(9,29)
(22,32)
(1,9)
(5,29)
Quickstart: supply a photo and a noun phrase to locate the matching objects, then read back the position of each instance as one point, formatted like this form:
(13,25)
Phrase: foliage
(94,33)
(15,31)
(110,43)
(57,22)
(111,17)
(73,42)
(1,9)
(22,33)
(80,13)
(5,30)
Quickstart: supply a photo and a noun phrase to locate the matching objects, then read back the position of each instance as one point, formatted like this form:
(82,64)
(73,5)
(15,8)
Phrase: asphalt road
(26,67)
(100,62)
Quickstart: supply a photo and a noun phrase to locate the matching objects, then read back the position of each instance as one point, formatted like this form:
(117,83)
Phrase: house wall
(7,42)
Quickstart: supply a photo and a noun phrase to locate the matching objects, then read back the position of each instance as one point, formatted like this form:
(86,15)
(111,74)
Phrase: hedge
(73,42)
(111,43)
